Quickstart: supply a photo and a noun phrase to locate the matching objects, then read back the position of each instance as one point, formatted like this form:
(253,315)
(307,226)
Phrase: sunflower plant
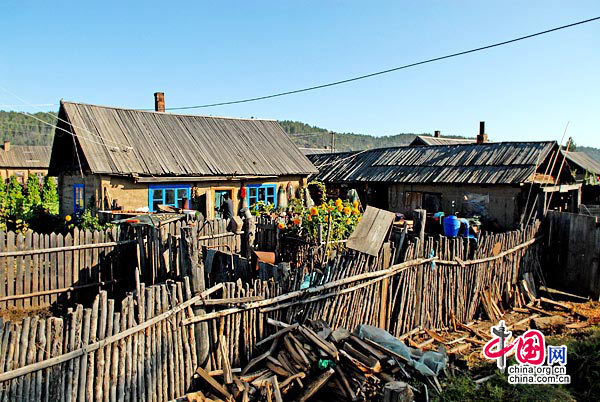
(305,223)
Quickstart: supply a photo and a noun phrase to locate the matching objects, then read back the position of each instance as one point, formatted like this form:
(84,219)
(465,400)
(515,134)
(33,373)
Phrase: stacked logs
(310,361)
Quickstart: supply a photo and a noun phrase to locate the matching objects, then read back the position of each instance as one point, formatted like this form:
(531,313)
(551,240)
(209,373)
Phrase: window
(262,192)
(220,200)
(78,198)
(20,176)
(174,196)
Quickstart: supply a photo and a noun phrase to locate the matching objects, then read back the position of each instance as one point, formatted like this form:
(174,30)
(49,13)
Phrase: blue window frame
(172,195)
(262,192)
(78,198)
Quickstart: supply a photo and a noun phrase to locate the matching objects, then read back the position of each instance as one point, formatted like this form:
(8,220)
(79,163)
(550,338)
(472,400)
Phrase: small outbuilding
(504,183)
(134,160)
(22,160)
(586,171)
(437,139)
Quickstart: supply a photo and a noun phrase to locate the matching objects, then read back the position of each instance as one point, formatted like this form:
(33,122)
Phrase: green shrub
(50,196)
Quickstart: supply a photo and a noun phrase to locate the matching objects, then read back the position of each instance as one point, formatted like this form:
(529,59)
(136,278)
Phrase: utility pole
(332,141)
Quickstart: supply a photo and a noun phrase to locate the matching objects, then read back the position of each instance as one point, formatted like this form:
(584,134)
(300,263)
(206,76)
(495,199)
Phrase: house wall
(66,195)
(131,195)
(21,173)
(503,202)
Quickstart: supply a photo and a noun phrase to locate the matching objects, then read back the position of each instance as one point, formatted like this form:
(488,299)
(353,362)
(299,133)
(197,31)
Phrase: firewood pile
(309,361)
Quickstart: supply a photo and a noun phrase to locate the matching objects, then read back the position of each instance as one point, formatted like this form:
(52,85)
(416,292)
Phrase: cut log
(316,385)
(555,304)
(545,323)
(397,391)
(218,388)
(369,361)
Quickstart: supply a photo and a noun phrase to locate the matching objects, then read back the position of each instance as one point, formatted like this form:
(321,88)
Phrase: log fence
(146,347)
(36,270)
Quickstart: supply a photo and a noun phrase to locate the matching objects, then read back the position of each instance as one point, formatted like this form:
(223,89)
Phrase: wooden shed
(135,160)
(501,182)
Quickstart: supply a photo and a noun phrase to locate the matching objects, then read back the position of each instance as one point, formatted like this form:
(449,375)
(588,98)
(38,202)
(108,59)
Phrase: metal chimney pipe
(482,137)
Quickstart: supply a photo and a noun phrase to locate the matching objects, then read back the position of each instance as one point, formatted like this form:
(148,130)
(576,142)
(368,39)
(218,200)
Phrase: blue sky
(119,53)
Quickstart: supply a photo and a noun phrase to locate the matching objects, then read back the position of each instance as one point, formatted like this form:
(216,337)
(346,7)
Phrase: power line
(343,159)
(37,105)
(361,77)
(68,132)
(126,146)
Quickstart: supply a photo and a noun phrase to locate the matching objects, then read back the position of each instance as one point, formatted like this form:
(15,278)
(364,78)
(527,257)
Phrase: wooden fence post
(193,267)
(249,236)
(419,224)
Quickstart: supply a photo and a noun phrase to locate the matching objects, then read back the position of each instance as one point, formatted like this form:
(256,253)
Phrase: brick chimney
(437,134)
(482,137)
(159,101)
(6,146)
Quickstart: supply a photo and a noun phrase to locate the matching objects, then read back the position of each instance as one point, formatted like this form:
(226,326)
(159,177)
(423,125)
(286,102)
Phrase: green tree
(2,194)
(50,196)
(33,198)
(14,198)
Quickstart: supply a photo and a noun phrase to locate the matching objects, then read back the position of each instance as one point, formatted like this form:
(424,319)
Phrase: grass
(583,365)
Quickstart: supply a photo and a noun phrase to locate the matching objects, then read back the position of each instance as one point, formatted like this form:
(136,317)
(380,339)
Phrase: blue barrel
(451,226)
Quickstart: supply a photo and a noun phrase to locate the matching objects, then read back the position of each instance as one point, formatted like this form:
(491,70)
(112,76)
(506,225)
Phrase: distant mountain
(307,136)
(20,129)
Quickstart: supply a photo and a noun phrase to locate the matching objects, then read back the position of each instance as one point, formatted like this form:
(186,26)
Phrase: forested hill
(307,136)
(20,129)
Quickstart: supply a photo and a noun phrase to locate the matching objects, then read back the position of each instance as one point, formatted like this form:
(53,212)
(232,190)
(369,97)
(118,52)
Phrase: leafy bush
(23,209)
(261,208)
(50,196)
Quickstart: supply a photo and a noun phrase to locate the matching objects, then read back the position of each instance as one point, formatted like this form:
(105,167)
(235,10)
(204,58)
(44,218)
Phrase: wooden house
(21,160)
(586,171)
(501,182)
(133,160)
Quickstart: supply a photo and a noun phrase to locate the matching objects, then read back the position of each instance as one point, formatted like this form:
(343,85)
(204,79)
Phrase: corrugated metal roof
(503,162)
(429,140)
(25,156)
(180,145)
(583,161)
